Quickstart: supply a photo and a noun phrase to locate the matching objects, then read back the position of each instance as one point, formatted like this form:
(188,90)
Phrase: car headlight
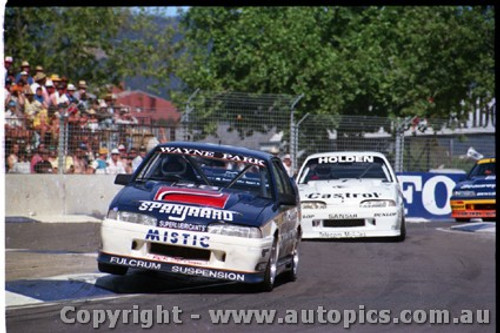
(123,216)
(313,205)
(464,193)
(234,230)
(377,203)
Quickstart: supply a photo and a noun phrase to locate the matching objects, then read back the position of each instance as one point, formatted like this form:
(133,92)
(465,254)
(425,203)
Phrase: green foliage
(102,45)
(377,61)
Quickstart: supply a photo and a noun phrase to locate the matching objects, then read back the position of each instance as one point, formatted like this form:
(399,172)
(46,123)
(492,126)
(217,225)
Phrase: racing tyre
(291,275)
(271,269)
(462,220)
(402,236)
(112,269)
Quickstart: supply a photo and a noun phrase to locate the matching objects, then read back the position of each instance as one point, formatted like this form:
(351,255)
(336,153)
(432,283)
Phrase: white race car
(350,195)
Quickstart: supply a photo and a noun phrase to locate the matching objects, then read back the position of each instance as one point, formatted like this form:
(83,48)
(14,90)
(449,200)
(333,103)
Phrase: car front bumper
(473,208)
(351,222)
(184,252)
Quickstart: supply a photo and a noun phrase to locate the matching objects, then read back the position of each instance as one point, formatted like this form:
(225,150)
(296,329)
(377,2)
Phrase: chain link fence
(268,122)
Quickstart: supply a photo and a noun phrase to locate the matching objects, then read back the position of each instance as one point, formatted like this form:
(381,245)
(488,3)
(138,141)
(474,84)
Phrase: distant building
(149,109)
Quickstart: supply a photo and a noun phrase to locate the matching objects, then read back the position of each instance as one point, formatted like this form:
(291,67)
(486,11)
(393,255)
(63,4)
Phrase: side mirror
(123,179)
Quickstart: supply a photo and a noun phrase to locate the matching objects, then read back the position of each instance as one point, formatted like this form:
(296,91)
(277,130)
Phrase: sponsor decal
(182,226)
(344,234)
(178,213)
(213,154)
(471,186)
(135,263)
(209,273)
(308,216)
(342,216)
(176,260)
(486,194)
(345,159)
(385,214)
(173,237)
(190,196)
(346,195)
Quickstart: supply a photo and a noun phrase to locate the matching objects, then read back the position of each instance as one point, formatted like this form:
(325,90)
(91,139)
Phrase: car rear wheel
(112,269)
(271,269)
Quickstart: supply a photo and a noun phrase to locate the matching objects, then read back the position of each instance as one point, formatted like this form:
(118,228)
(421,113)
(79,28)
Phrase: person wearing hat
(100,164)
(8,65)
(287,163)
(25,71)
(79,160)
(81,94)
(115,166)
(40,80)
(70,94)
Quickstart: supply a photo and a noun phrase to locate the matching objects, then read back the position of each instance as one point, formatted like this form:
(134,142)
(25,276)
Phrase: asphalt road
(434,269)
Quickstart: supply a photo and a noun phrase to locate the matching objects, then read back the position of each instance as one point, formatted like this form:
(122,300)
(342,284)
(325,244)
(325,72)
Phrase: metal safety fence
(78,143)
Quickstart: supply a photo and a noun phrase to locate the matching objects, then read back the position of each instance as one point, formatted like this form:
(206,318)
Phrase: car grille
(480,206)
(179,252)
(343,223)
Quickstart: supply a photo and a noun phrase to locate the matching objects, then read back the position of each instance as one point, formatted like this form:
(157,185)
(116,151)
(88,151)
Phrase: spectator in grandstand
(287,163)
(79,160)
(44,165)
(83,97)
(40,80)
(70,94)
(8,65)
(31,106)
(51,91)
(127,162)
(8,89)
(123,152)
(39,69)
(41,125)
(13,117)
(115,166)
(92,123)
(68,164)
(39,97)
(37,157)
(105,118)
(25,67)
(13,157)
(139,158)
(53,158)
(100,161)
(61,97)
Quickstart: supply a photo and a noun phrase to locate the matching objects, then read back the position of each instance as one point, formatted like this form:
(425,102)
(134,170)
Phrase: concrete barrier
(32,195)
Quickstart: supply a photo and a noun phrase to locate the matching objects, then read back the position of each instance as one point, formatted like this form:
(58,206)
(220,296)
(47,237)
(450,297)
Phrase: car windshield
(217,170)
(483,170)
(327,168)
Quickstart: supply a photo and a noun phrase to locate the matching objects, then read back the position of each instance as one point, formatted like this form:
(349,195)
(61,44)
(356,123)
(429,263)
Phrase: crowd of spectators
(37,104)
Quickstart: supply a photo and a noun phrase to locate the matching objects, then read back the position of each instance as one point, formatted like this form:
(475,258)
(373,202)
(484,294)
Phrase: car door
(288,219)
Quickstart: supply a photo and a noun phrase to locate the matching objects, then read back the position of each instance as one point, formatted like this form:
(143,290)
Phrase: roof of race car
(351,153)
(218,148)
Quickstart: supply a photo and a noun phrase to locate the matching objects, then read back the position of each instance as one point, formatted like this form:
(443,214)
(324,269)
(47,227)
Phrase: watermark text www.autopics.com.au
(160,315)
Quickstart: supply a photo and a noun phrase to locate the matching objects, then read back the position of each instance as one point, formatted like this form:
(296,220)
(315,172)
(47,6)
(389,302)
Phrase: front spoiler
(216,274)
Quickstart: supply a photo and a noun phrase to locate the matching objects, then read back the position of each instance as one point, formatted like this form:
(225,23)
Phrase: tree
(381,61)
(102,45)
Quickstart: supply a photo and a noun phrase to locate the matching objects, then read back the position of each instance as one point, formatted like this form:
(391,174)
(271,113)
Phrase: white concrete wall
(32,195)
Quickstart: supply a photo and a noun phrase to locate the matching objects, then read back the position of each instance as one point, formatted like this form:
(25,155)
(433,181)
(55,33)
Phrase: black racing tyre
(291,274)
(402,236)
(462,219)
(271,269)
(112,269)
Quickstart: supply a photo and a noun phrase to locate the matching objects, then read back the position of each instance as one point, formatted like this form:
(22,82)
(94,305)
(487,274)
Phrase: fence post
(62,142)
(185,115)
(293,134)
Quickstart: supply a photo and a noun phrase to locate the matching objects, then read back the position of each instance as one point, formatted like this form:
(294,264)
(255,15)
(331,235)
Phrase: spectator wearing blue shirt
(25,67)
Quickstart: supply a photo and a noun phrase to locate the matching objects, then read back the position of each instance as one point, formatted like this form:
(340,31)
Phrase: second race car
(350,195)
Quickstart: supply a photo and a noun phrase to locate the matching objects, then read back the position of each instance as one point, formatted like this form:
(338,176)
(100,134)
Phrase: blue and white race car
(350,195)
(205,210)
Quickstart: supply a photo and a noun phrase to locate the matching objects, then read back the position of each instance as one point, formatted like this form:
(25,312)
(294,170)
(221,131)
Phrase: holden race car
(475,197)
(205,210)
(350,195)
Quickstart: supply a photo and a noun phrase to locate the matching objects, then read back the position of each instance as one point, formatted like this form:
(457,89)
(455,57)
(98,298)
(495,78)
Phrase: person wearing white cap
(287,163)
(115,166)
(70,94)
(8,64)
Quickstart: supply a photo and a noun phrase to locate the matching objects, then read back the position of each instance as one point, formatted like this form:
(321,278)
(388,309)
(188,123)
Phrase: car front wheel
(271,269)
